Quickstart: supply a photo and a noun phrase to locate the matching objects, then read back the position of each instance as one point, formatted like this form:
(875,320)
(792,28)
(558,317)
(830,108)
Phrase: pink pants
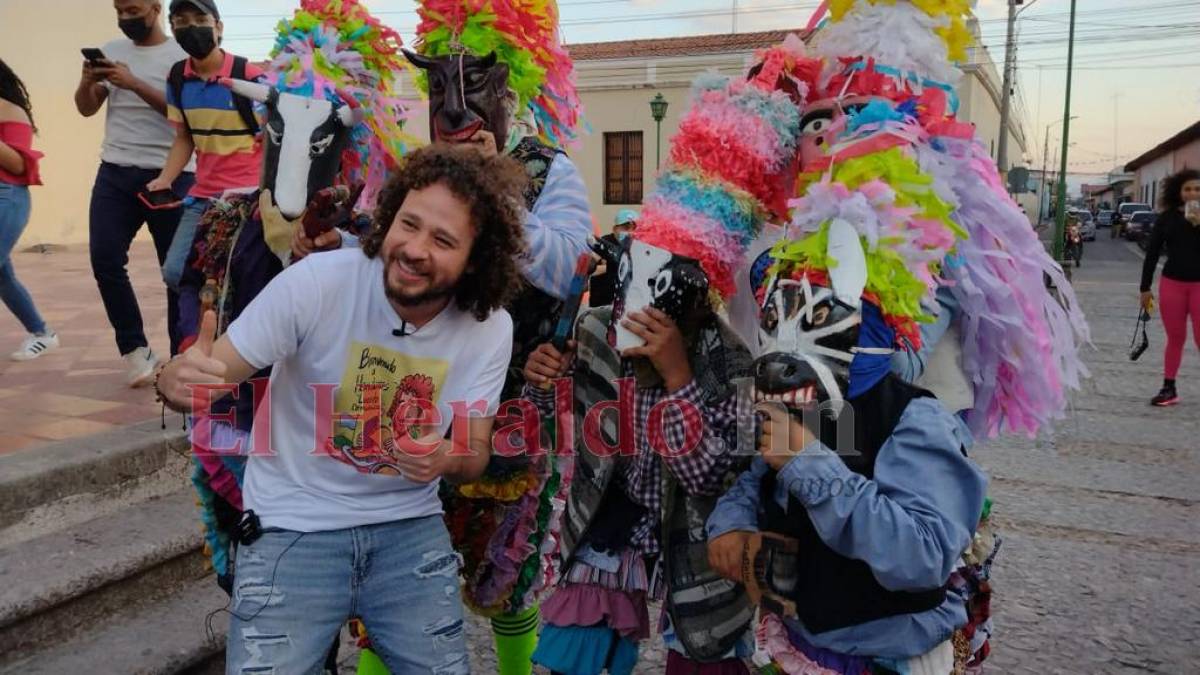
(1177,300)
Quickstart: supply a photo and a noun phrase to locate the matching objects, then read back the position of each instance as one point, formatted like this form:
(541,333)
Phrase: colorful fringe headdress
(903,225)
(896,49)
(333,47)
(731,167)
(1020,344)
(524,35)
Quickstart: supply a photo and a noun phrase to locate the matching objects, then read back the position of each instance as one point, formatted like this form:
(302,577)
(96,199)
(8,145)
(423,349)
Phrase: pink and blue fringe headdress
(731,168)
(331,48)
(1020,343)
(524,35)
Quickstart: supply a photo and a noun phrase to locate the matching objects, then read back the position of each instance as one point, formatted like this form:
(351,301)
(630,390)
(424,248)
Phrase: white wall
(1146,185)
(41,44)
(616,96)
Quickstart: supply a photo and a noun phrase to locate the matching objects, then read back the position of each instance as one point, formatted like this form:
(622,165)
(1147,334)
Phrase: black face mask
(197,41)
(135,29)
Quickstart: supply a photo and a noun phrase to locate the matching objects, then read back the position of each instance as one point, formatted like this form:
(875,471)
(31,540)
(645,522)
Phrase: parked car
(1139,224)
(1128,209)
(1087,225)
(1104,219)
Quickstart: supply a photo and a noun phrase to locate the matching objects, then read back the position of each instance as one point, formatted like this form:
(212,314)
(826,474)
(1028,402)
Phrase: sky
(1136,82)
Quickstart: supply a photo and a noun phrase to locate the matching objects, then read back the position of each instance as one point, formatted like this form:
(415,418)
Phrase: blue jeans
(293,592)
(181,244)
(14,216)
(115,216)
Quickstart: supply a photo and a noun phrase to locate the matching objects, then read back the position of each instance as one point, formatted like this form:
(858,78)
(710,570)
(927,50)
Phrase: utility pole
(1060,222)
(1045,156)
(1042,190)
(1006,95)
(1116,125)
(1010,75)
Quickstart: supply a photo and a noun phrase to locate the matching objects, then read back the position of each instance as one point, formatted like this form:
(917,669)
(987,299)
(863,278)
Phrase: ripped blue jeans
(294,591)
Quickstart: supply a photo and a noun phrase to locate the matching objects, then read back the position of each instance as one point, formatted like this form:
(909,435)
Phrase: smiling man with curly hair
(356,509)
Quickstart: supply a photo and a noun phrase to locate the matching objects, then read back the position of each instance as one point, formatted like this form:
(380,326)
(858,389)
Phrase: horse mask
(467,94)
(304,142)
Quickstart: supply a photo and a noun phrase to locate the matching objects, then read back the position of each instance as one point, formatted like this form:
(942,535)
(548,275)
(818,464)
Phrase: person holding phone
(219,126)
(604,279)
(18,170)
(129,74)
(1178,229)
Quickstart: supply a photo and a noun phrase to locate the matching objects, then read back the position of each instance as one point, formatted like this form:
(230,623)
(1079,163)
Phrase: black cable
(208,627)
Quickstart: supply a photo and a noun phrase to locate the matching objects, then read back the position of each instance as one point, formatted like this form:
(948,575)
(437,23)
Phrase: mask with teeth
(807,339)
(809,325)
(648,276)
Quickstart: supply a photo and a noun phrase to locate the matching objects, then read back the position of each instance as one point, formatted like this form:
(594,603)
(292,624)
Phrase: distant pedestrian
(132,79)
(18,170)
(604,280)
(1178,229)
(210,120)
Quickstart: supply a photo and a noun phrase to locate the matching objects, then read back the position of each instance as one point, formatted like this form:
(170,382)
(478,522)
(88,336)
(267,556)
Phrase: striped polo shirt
(228,156)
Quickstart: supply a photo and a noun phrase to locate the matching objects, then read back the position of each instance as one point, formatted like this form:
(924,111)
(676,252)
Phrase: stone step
(76,580)
(169,636)
(64,484)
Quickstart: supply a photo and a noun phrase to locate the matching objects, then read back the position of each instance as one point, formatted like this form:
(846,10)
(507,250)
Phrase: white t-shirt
(326,321)
(134,133)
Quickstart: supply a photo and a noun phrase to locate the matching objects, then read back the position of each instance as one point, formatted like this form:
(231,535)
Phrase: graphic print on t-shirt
(378,389)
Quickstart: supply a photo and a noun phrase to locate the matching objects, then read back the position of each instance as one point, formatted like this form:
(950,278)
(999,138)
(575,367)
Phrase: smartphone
(1191,211)
(93,55)
(160,199)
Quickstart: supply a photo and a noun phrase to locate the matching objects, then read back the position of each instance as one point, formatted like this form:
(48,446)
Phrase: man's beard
(434,293)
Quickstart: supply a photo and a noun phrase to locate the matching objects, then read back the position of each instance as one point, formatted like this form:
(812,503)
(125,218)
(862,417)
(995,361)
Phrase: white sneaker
(34,346)
(141,364)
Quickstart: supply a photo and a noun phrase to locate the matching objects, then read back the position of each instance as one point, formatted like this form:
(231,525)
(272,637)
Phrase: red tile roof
(680,46)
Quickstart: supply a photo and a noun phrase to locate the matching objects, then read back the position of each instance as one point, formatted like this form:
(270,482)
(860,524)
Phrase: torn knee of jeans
(439,563)
(454,664)
(262,650)
(445,628)
(251,589)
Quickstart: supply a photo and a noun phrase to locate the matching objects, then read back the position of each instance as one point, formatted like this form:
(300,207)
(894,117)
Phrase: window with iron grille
(623,167)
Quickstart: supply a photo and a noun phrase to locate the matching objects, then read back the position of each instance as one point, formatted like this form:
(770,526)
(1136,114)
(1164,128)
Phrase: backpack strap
(245,106)
(175,86)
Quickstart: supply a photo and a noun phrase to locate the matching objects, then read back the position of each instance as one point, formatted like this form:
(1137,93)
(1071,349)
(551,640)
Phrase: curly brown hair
(491,187)
(1171,197)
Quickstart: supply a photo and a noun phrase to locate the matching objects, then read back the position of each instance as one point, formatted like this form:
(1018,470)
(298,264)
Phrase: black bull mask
(466,94)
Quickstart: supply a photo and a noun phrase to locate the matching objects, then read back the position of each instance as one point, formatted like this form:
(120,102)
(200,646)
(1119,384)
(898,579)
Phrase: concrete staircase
(101,562)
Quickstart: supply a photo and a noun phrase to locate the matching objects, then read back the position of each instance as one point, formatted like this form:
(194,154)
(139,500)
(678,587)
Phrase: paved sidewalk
(78,389)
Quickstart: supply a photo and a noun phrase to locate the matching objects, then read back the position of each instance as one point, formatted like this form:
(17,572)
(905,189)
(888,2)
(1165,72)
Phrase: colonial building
(1181,151)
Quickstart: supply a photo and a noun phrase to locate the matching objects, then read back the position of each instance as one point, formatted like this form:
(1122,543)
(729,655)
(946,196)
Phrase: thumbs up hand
(196,366)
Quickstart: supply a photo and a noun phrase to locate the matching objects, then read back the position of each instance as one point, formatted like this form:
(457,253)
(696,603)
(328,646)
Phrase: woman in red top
(18,170)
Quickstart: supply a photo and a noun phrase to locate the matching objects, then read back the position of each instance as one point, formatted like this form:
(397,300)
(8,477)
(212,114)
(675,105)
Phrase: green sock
(369,663)
(516,638)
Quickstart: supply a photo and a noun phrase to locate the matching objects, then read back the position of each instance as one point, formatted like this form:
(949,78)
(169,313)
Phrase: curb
(89,464)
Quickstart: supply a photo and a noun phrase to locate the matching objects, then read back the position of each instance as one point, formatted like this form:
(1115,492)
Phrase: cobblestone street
(1098,570)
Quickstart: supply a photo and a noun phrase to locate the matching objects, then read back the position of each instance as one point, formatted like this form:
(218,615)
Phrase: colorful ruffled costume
(902,56)
(954,266)
(329,49)
(507,524)
(700,219)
